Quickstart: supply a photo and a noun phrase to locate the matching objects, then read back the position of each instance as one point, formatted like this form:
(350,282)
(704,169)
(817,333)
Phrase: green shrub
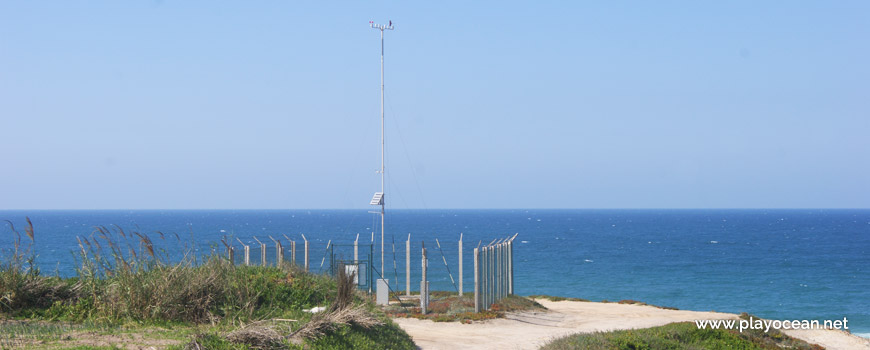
(678,336)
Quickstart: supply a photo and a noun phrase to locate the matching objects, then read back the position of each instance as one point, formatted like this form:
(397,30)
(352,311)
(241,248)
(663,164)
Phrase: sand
(530,330)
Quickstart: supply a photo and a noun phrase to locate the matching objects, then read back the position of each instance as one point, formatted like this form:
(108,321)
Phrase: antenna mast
(379,197)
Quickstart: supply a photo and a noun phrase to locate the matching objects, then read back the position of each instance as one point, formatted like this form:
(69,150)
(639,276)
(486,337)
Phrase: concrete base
(383,291)
(424,297)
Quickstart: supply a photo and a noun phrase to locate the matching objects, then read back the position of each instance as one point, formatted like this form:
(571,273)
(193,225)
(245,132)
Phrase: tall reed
(21,286)
(124,276)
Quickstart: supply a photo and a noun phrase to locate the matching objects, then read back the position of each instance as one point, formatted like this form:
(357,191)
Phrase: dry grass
(258,336)
(331,320)
(340,313)
(345,290)
(272,334)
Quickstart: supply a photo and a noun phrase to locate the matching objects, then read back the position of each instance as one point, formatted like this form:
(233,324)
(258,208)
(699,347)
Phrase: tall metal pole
(383,145)
(383,136)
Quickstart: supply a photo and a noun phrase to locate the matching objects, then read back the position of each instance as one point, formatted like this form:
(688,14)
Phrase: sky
(275,104)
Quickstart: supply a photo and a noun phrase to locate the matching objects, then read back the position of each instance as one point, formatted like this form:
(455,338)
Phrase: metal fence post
(484,277)
(498,274)
(476,281)
(491,253)
(408,266)
(503,269)
(305,261)
(511,266)
(424,291)
(460,264)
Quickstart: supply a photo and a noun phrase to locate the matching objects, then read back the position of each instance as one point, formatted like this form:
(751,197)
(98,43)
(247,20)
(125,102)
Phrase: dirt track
(530,330)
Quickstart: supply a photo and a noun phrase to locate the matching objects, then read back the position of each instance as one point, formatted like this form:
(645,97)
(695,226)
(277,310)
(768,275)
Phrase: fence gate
(355,259)
(493,273)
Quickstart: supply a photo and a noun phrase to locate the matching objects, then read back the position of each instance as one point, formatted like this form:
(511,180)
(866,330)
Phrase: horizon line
(397,209)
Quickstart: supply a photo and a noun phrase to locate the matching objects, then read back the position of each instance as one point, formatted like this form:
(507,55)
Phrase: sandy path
(530,330)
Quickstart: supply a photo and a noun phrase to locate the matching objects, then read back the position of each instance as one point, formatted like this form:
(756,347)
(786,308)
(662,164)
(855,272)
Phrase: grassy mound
(679,336)
(449,307)
(122,295)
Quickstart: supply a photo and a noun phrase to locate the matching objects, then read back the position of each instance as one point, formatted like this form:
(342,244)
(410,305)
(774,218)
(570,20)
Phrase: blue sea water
(779,264)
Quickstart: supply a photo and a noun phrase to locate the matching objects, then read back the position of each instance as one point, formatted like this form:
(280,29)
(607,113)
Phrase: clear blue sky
(274,104)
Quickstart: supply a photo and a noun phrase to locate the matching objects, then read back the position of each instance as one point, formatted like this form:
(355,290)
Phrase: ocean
(778,264)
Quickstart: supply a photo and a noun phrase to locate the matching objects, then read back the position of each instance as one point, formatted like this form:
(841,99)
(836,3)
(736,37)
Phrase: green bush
(678,336)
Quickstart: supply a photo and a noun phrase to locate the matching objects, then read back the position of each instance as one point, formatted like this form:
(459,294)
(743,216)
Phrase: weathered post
(424,285)
(408,266)
(262,251)
(279,252)
(292,249)
(510,267)
(484,277)
(231,252)
(247,252)
(501,268)
(506,268)
(476,281)
(503,271)
(305,260)
(460,264)
(498,271)
(507,264)
(491,254)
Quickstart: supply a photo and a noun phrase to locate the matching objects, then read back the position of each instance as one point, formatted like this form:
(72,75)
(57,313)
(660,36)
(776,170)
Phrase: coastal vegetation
(449,307)
(684,335)
(126,291)
(128,295)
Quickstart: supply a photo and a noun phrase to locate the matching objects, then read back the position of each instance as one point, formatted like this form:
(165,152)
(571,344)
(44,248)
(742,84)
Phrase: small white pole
(356,249)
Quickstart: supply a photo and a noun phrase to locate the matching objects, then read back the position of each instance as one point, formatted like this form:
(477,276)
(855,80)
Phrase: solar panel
(378,199)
